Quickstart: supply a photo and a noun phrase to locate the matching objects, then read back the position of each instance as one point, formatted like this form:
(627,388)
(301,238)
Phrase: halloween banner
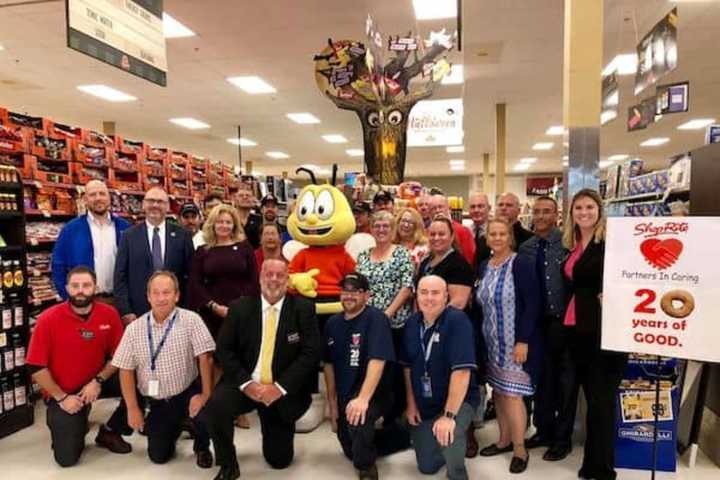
(661,289)
(381,80)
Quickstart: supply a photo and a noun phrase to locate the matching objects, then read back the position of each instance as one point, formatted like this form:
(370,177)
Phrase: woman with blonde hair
(223,269)
(410,233)
(599,372)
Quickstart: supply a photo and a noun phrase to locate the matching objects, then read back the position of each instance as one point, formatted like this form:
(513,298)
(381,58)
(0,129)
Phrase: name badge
(154,387)
(436,337)
(293,337)
(426,386)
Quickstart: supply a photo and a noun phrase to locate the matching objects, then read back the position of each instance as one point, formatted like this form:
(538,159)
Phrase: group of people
(193,326)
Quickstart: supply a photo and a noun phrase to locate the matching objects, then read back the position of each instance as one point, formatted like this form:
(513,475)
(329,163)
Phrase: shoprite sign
(661,291)
(127,34)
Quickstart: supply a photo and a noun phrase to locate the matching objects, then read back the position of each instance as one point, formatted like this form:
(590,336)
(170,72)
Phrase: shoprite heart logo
(661,254)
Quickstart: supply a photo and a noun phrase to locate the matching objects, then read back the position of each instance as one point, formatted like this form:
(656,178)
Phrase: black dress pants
(557,390)
(67,432)
(163,425)
(358,442)
(599,374)
(228,402)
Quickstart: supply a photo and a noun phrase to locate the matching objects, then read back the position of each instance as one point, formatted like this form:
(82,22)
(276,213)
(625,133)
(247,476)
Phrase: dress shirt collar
(150,227)
(93,220)
(266,305)
(167,319)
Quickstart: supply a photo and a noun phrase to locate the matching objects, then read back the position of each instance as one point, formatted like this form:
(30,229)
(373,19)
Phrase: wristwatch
(99,379)
(449,414)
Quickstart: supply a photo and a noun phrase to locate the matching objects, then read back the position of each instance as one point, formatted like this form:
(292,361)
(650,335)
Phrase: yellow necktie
(268,347)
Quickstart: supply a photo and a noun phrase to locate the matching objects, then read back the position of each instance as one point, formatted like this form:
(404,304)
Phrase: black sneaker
(369,474)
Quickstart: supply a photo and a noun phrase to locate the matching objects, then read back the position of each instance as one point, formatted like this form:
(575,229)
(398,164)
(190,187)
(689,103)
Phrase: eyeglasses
(381,226)
(407,222)
(155,201)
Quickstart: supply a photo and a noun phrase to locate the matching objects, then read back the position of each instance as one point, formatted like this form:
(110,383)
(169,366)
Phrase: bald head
(508,207)
(156,205)
(479,208)
(273,280)
(439,205)
(423,206)
(432,297)
(97,198)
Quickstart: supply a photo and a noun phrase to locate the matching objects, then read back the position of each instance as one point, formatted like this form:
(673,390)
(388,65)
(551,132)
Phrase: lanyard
(154,355)
(427,349)
(428,269)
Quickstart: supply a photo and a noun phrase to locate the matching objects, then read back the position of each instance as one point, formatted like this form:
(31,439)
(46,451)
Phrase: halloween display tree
(381,82)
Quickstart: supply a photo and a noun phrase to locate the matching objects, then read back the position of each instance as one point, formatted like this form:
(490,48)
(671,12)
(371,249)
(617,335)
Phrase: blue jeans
(431,456)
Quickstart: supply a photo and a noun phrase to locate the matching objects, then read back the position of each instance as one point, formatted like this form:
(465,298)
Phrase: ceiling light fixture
(355,152)
(556,130)
(566,164)
(604,163)
(190,123)
(455,77)
(654,142)
(252,85)
(456,162)
(243,142)
(457,168)
(696,124)
(625,64)
(528,160)
(543,146)
(334,138)
(174,29)
(1,47)
(277,155)
(618,157)
(456,149)
(303,118)
(521,167)
(435,9)
(106,93)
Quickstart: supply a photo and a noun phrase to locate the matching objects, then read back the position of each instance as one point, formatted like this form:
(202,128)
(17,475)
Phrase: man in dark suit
(508,207)
(479,209)
(145,248)
(269,348)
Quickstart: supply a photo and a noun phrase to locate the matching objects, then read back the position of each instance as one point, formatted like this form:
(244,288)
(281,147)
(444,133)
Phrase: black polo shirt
(351,344)
(453,349)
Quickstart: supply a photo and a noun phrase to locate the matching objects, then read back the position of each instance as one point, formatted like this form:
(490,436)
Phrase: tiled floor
(26,456)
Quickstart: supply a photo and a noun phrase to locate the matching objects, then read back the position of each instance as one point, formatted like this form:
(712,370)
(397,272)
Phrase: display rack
(16,410)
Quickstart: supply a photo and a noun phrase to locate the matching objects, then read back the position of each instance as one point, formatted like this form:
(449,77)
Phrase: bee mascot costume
(322,252)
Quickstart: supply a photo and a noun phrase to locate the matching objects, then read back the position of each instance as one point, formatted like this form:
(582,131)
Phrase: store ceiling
(512,53)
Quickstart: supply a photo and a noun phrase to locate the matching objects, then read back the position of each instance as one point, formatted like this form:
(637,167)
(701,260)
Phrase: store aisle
(26,455)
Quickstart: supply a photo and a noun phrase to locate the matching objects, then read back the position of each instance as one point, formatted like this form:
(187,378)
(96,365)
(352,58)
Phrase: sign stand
(659,377)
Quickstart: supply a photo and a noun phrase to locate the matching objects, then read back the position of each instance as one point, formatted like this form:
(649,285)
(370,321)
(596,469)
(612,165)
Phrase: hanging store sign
(542,185)
(657,52)
(610,95)
(672,98)
(661,295)
(641,115)
(435,123)
(127,34)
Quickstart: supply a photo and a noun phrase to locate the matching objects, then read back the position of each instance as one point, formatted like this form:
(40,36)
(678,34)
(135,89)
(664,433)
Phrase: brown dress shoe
(471,447)
(112,441)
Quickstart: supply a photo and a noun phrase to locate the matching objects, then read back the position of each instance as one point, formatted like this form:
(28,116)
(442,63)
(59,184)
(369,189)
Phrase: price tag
(3,340)
(34,242)
(38,184)
(36,301)
(46,214)
(36,273)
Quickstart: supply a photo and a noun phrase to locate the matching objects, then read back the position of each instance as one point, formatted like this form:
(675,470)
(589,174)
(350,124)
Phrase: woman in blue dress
(509,299)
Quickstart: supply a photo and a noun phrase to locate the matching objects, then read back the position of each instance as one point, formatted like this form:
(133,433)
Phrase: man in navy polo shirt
(438,357)
(358,347)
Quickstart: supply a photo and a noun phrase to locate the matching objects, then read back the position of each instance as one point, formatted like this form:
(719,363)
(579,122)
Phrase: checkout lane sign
(661,292)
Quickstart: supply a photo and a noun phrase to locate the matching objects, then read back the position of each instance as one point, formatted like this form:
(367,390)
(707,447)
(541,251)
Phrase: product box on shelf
(125,205)
(152,181)
(14,141)
(125,181)
(157,153)
(628,170)
(126,162)
(92,155)
(82,173)
(48,147)
(179,188)
(178,171)
(126,146)
(92,138)
(24,163)
(51,171)
(215,173)
(679,173)
(229,178)
(18,121)
(613,176)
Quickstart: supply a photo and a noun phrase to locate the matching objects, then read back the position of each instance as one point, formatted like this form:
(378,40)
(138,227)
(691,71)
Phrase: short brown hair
(80,269)
(166,274)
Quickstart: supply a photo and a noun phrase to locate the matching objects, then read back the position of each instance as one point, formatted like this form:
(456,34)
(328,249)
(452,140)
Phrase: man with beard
(145,248)
(251,221)
(69,357)
(358,348)
(189,217)
(91,240)
(269,212)
(269,348)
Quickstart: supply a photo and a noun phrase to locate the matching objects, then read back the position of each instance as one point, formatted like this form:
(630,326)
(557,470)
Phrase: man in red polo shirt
(69,355)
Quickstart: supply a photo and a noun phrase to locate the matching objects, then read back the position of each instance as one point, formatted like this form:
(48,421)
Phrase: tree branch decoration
(381,82)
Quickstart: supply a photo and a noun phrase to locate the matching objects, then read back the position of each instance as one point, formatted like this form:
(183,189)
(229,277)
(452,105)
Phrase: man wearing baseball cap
(358,348)
(361,211)
(190,217)
(269,212)
(383,201)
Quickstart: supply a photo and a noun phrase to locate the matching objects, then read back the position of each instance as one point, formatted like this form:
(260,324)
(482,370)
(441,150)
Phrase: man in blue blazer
(90,240)
(147,247)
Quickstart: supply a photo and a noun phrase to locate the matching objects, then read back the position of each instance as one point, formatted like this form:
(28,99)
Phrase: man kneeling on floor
(163,348)
(438,354)
(358,347)
(269,348)
(70,353)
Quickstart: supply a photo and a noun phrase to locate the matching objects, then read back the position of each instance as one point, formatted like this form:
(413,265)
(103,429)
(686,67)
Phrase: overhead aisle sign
(127,34)
(661,292)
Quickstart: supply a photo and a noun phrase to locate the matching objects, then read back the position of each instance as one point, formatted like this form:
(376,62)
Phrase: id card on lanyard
(154,382)
(425,381)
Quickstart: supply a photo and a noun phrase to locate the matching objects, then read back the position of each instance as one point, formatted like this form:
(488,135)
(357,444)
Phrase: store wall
(458,186)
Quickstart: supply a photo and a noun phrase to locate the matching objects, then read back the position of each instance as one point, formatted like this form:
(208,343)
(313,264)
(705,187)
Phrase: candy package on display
(42,231)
